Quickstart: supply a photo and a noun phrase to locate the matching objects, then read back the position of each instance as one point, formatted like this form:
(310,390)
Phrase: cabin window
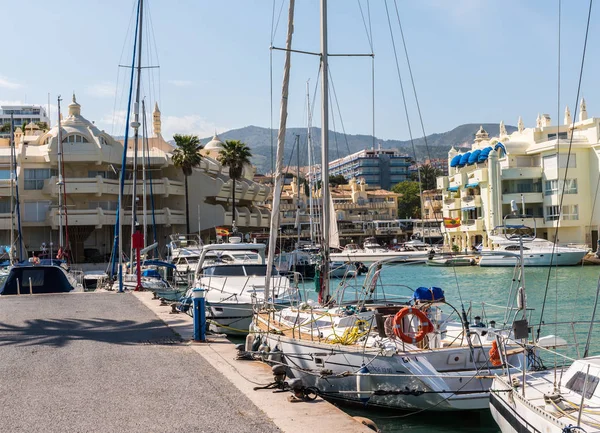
(515,248)
(578,381)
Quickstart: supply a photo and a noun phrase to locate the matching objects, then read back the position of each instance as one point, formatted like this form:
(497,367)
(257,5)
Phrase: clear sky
(472,60)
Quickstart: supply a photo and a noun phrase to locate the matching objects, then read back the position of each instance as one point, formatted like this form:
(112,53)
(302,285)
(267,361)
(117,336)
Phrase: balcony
(5,221)
(471,201)
(457,180)
(5,187)
(528,197)
(99,186)
(477,176)
(472,224)
(521,173)
(451,203)
(442,183)
(99,217)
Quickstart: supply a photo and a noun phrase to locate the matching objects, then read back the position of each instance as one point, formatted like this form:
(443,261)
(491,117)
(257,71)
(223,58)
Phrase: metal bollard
(199,314)
(30,287)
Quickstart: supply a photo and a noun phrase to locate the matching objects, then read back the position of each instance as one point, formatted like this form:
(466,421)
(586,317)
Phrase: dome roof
(214,144)
(31,125)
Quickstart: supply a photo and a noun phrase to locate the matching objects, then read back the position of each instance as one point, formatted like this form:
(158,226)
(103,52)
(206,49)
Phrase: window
(5,205)
(561,135)
(35,211)
(4,174)
(555,186)
(75,138)
(104,205)
(34,177)
(569,212)
(578,381)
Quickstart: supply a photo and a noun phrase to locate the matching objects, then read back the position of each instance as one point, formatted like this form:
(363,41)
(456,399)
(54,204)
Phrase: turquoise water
(570,297)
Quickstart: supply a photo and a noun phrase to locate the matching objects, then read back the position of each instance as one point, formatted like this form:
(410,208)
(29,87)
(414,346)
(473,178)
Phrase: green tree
(337,180)
(409,202)
(42,125)
(5,127)
(429,175)
(186,157)
(235,154)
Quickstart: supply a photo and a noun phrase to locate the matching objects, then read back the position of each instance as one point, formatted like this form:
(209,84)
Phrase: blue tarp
(428,294)
(454,162)
(453,188)
(472,185)
(463,159)
(499,145)
(483,156)
(152,273)
(474,156)
(158,263)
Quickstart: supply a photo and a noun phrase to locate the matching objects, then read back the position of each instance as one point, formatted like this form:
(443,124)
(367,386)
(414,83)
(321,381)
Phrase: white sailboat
(405,352)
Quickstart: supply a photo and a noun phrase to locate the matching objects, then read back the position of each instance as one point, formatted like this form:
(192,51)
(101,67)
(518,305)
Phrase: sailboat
(411,352)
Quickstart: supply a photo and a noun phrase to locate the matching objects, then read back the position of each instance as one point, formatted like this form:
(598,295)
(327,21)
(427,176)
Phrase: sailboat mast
(60,178)
(144,149)
(12,192)
(298,189)
(324,153)
(136,126)
(274,229)
(309,173)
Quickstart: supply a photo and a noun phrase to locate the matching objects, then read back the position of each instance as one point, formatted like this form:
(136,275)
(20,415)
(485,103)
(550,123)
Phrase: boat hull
(535,259)
(369,258)
(406,381)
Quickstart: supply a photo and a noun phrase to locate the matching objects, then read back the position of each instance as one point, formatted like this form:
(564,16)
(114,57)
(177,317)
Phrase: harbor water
(569,291)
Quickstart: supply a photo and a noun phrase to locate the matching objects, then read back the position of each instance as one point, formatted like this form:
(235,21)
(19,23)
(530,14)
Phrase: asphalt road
(102,362)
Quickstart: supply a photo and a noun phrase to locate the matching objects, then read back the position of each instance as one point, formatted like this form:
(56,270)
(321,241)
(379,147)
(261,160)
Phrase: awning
(454,162)
(453,188)
(468,208)
(483,156)
(463,159)
(472,185)
(474,156)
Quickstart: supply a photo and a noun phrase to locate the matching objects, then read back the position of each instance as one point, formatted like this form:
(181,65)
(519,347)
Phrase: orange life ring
(425,328)
(495,355)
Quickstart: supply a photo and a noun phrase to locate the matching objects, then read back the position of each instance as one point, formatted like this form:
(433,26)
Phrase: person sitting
(478,323)
(493,324)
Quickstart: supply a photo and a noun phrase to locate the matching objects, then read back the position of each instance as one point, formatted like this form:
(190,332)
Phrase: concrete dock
(108,362)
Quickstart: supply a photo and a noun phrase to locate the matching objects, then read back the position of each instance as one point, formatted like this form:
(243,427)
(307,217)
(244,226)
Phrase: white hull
(427,374)
(368,258)
(535,259)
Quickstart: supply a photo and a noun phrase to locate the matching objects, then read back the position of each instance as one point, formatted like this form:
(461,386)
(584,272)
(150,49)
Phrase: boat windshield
(237,271)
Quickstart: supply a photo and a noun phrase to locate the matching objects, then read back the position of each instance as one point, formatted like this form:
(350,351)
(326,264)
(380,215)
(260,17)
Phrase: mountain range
(259,140)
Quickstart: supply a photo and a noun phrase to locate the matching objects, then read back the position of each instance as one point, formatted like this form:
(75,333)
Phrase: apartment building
(532,169)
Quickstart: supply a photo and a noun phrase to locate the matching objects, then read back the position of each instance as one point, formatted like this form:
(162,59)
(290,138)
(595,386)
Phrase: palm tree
(235,154)
(186,157)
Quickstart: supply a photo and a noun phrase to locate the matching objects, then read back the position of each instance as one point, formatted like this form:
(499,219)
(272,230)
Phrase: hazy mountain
(259,140)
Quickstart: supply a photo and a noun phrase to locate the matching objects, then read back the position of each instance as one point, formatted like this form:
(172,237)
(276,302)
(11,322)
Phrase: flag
(221,231)
(451,223)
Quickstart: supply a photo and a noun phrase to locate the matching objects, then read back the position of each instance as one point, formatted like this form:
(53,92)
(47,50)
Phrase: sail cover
(334,234)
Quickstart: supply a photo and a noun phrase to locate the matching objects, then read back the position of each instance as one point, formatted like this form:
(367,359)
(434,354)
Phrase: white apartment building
(529,167)
(22,115)
(92,161)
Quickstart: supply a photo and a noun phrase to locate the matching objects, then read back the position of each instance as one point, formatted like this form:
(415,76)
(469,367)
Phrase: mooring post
(199,314)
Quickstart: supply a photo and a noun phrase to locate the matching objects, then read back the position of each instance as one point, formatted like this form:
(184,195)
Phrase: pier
(121,363)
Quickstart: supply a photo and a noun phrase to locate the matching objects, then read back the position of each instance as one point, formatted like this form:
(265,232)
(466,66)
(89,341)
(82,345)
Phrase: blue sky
(473,61)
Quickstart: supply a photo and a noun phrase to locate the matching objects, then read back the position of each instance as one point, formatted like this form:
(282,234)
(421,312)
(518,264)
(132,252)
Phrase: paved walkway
(102,362)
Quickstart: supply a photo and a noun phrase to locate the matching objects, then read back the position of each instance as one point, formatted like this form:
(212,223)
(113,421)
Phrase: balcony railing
(100,186)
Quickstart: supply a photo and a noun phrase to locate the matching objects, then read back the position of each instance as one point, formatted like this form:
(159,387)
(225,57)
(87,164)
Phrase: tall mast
(136,126)
(298,189)
(60,179)
(309,173)
(144,148)
(324,153)
(12,191)
(274,229)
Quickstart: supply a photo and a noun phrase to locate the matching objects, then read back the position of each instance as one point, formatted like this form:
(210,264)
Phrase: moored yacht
(372,252)
(536,252)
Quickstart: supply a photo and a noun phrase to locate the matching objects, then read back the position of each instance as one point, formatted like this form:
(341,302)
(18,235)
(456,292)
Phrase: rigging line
(412,81)
(155,46)
(372,75)
(557,158)
(562,195)
(365,24)
(335,134)
(337,104)
(277,22)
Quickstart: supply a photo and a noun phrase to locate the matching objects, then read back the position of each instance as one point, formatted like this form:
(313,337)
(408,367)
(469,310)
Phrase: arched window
(75,138)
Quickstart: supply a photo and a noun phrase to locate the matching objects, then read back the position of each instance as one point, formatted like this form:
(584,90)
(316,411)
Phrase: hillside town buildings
(92,162)
(549,172)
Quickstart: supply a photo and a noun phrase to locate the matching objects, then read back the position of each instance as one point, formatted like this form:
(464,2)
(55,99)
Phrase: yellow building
(92,162)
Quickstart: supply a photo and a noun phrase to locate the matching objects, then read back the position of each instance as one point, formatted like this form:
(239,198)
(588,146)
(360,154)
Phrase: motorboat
(29,278)
(409,352)
(184,252)
(452,261)
(536,252)
(372,252)
(299,261)
(235,288)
